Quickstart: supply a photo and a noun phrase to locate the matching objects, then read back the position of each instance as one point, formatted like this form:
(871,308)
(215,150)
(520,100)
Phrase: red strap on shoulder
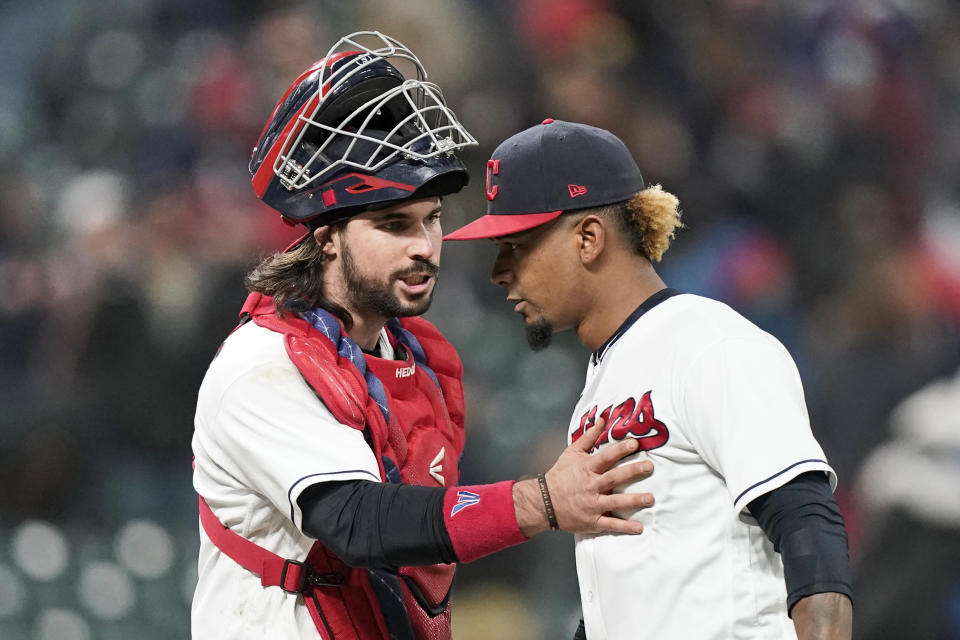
(250,305)
(274,571)
(341,388)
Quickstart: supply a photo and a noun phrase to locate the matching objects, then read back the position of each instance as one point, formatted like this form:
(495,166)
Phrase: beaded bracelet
(547,503)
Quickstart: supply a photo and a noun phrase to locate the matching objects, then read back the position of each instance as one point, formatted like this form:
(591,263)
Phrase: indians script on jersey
(631,418)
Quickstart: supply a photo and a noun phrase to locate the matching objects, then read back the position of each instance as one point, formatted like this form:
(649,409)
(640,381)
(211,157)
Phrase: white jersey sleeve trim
(305,482)
(776,481)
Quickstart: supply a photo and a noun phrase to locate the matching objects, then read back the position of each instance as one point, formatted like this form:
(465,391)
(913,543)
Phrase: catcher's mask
(354,133)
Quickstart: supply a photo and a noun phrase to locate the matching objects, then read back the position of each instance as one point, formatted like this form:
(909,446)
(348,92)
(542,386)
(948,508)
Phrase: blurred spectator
(908,582)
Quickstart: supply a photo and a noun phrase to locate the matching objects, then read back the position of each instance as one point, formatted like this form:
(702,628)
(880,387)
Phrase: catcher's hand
(580,485)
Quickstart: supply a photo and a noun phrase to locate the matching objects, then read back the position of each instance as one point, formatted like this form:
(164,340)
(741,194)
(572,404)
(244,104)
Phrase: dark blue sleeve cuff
(803,521)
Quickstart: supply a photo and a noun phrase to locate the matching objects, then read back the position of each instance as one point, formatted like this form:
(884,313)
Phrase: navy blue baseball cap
(555,166)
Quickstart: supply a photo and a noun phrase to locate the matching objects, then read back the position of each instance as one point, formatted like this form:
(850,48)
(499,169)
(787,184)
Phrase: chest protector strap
(340,605)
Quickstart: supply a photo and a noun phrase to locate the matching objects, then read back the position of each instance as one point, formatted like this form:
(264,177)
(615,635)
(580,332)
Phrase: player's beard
(539,334)
(371,295)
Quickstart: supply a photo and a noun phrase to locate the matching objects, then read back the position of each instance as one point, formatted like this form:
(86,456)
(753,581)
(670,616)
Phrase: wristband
(481,519)
(547,503)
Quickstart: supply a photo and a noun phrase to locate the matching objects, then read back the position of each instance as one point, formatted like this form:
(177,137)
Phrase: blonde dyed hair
(649,219)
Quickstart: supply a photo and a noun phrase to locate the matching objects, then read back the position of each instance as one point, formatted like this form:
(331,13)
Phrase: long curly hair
(294,279)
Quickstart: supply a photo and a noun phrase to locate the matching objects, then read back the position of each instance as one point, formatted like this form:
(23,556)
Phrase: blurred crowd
(814,146)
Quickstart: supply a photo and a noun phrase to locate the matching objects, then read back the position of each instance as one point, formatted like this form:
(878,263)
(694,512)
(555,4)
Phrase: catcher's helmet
(352,133)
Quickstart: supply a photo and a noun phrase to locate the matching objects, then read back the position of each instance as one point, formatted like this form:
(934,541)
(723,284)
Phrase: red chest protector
(420,444)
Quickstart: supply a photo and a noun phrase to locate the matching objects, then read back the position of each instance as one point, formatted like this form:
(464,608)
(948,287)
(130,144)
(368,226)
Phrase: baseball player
(330,425)
(745,533)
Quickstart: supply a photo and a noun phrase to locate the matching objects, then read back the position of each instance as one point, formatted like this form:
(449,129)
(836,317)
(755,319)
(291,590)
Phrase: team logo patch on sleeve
(464,499)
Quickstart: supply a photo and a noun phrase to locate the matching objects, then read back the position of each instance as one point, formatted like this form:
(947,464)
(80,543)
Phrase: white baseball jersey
(259,424)
(718,407)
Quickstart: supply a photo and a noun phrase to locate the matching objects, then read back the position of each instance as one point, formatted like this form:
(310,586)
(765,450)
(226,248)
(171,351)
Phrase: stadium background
(815,147)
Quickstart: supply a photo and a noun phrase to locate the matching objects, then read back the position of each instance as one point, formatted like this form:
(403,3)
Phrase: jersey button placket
(590,597)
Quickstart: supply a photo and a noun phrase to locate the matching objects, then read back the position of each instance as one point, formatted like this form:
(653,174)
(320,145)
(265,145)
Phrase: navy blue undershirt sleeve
(378,525)
(803,521)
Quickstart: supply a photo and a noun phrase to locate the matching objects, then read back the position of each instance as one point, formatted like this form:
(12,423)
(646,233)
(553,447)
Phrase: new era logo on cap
(538,174)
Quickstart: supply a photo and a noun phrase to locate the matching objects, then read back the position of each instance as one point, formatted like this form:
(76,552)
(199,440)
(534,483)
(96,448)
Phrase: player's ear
(324,238)
(591,235)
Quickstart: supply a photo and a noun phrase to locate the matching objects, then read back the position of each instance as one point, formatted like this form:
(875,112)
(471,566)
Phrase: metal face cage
(410,119)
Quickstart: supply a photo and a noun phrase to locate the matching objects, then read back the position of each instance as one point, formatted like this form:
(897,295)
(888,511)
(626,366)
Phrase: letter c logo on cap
(493,168)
